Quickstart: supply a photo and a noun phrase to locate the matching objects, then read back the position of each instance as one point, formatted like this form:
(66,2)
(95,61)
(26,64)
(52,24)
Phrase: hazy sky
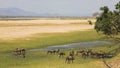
(64,7)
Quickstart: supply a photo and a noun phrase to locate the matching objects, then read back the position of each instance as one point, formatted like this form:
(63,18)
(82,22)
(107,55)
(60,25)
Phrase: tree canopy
(109,21)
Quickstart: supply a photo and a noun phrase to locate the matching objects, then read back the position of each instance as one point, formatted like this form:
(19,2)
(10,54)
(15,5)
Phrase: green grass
(44,40)
(40,59)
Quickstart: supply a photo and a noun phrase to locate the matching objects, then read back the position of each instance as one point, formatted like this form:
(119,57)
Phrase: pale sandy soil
(115,63)
(46,21)
(8,32)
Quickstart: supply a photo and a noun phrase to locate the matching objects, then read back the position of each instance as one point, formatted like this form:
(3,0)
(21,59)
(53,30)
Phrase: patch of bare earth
(115,63)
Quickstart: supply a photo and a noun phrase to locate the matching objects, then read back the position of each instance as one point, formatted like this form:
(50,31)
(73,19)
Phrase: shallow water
(74,45)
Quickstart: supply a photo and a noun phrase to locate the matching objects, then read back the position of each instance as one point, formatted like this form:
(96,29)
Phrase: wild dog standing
(61,54)
(69,59)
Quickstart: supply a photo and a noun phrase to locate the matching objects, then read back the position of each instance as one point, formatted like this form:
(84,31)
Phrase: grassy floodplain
(39,59)
(49,39)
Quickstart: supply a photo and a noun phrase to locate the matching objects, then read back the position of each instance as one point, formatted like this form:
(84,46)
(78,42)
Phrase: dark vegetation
(109,21)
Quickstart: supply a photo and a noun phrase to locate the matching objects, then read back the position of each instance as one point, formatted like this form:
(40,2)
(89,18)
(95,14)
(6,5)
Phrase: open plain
(25,28)
(42,33)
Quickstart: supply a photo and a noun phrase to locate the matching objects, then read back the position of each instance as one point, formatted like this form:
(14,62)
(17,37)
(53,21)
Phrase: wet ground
(74,45)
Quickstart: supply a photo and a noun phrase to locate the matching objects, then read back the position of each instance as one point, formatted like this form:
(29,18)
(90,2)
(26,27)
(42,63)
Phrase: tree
(109,21)
(117,16)
(90,22)
(118,6)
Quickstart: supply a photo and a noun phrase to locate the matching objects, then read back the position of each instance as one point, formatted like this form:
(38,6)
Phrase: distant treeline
(14,19)
(41,17)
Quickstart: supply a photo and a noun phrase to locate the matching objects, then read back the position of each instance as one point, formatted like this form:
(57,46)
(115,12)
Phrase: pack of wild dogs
(20,52)
(71,56)
(83,53)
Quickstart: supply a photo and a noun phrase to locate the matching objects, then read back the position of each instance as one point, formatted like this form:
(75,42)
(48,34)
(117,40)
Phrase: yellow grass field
(25,28)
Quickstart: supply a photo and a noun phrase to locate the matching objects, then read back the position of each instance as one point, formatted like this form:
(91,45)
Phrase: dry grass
(44,21)
(25,28)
